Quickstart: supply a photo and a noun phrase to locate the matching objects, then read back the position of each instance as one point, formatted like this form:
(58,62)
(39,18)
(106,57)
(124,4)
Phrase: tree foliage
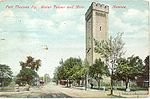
(146,67)
(110,50)
(97,70)
(5,75)
(31,63)
(26,76)
(28,72)
(70,69)
(128,69)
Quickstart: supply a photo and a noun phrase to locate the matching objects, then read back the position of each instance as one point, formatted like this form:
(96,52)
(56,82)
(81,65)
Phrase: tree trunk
(2,84)
(111,84)
(86,81)
(79,83)
(99,84)
(82,83)
(57,82)
(67,82)
(127,81)
(126,85)
(70,83)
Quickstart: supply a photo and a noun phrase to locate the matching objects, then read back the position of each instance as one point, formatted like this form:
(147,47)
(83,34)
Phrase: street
(52,90)
(47,91)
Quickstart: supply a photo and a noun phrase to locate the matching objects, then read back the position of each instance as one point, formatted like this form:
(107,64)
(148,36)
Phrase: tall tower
(96,28)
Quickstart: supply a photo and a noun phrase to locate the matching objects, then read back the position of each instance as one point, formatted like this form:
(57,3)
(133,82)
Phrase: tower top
(98,7)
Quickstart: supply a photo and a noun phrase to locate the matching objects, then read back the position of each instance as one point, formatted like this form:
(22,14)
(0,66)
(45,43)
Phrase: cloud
(67,14)
(7,13)
(134,24)
(1,30)
(136,14)
(39,23)
(147,0)
(13,21)
(81,28)
(129,22)
(65,27)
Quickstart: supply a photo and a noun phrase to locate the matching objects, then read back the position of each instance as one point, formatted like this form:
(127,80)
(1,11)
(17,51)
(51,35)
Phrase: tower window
(100,28)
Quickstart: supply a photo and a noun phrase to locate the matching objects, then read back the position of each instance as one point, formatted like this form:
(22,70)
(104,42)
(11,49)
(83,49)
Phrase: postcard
(74,49)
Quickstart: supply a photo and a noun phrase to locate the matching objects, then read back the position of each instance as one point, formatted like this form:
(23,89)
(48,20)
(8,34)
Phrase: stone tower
(96,28)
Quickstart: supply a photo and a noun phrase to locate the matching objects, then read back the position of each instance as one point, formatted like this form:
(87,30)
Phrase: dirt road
(52,90)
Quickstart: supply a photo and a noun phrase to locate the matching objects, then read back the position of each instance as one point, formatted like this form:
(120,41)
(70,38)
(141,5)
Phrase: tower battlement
(97,6)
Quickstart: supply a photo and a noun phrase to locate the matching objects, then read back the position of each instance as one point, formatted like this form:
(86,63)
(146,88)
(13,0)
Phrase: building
(47,78)
(96,28)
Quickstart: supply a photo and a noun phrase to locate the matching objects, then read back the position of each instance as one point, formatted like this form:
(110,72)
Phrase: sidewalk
(79,92)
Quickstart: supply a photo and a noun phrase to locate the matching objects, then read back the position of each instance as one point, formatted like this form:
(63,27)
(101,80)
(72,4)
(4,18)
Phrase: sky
(28,31)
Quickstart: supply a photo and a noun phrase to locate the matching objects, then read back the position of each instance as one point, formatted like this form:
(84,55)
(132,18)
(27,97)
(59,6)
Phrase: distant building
(96,28)
(46,78)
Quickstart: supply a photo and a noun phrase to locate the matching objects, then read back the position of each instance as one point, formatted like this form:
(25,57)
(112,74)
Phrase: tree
(146,68)
(110,50)
(31,63)
(28,72)
(59,73)
(78,73)
(128,69)
(70,69)
(5,75)
(26,76)
(97,70)
(146,74)
(143,79)
(146,61)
